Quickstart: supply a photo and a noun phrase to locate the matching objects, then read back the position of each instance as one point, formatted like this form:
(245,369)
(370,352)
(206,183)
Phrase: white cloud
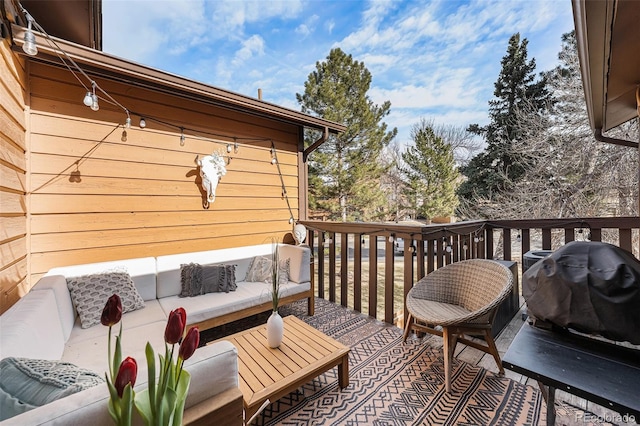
(253,46)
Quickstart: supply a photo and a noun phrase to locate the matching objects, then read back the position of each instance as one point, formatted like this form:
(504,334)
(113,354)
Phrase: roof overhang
(608,37)
(100,64)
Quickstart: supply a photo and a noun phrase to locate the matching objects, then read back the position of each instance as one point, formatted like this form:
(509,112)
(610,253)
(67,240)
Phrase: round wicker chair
(459,298)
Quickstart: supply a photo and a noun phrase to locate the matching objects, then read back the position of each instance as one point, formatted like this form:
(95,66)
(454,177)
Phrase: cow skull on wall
(212,168)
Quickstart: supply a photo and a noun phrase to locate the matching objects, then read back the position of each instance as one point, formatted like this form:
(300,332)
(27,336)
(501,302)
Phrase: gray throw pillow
(260,270)
(29,383)
(202,279)
(90,293)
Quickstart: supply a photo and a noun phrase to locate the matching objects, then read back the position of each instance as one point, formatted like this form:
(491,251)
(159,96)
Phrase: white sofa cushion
(151,313)
(168,267)
(142,271)
(32,328)
(92,353)
(58,284)
(213,305)
(299,262)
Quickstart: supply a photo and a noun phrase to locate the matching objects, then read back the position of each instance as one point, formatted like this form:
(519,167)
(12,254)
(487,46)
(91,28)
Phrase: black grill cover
(591,287)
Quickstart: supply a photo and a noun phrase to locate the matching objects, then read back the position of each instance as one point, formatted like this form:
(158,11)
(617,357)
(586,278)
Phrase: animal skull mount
(212,168)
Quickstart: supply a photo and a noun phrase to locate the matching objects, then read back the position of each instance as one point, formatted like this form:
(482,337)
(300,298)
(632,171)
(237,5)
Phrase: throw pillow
(29,383)
(260,270)
(202,279)
(89,294)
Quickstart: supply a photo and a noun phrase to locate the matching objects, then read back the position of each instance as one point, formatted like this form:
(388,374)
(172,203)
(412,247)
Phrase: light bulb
(273,161)
(291,220)
(519,238)
(88,99)
(29,45)
(390,238)
(124,136)
(143,123)
(94,102)
(182,138)
(127,123)
(229,148)
(465,247)
(476,239)
(449,249)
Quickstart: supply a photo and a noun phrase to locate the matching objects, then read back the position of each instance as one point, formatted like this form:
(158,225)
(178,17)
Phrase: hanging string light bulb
(519,238)
(143,123)
(182,138)
(29,45)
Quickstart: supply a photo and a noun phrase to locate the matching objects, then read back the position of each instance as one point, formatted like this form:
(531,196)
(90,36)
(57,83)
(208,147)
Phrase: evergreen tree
(345,171)
(430,173)
(497,166)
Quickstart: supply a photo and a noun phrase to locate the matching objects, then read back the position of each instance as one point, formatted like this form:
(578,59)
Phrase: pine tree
(345,172)
(516,88)
(430,173)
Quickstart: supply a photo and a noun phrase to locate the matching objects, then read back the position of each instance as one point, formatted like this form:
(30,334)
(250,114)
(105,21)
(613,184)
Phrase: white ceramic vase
(275,330)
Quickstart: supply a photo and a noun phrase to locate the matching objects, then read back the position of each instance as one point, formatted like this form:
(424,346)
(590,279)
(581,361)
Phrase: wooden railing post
(344,268)
(373,276)
(388,280)
(332,267)
(357,272)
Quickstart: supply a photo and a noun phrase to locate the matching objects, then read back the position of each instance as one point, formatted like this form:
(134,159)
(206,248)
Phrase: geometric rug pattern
(392,383)
(396,383)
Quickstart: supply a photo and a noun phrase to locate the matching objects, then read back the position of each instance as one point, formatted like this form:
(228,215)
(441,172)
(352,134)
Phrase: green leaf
(181,394)
(151,375)
(144,406)
(126,402)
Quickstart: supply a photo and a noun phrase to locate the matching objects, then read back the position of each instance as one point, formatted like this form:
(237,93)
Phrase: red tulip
(112,312)
(175,326)
(189,344)
(126,374)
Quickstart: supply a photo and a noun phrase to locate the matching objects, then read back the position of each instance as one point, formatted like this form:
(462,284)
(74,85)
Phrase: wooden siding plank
(87,221)
(11,153)
(12,179)
(11,130)
(12,204)
(60,165)
(149,147)
(99,238)
(13,284)
(42,262)
(12,250)
(12,227)
(13,106)
(45,203)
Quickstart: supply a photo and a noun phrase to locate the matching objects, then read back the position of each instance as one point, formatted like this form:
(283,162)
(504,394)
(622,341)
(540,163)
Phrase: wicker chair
(460,298)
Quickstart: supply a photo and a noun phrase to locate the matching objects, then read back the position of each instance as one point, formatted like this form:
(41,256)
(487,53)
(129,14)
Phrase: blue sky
(433,59)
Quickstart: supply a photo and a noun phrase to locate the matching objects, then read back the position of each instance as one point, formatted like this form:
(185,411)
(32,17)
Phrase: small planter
(275,330)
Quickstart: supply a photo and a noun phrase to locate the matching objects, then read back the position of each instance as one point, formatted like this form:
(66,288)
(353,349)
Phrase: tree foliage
(430,173)
(498,165)
(345,172)
(572,174)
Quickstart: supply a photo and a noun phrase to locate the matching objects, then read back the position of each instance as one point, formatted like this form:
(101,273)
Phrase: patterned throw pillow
(29,383)
(260,270)
(202,279)
(89,294)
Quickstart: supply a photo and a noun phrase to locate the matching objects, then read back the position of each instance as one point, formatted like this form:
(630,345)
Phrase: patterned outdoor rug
(396,383)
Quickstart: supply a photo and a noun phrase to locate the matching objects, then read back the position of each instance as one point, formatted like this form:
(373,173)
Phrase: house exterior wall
(13,178)
(93,197)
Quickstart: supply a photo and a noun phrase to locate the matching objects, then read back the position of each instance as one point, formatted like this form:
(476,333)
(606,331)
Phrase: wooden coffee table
(267,373)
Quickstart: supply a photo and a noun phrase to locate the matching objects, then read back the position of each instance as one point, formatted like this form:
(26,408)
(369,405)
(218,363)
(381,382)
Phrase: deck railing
(355,263)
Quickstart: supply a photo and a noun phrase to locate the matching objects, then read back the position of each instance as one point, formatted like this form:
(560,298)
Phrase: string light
(124,136)
(391,238)
(182,138)
(143,123)
(518,238)
(29,45)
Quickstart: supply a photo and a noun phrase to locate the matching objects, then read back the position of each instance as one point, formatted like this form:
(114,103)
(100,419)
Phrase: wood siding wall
(94,197)
(13,177)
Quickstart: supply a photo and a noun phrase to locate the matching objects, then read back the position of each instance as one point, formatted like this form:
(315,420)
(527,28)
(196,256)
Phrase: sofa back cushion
(142,272)
(169,267)
(31,328)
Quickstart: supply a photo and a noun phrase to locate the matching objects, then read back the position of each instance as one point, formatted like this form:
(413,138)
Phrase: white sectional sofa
(44,325)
